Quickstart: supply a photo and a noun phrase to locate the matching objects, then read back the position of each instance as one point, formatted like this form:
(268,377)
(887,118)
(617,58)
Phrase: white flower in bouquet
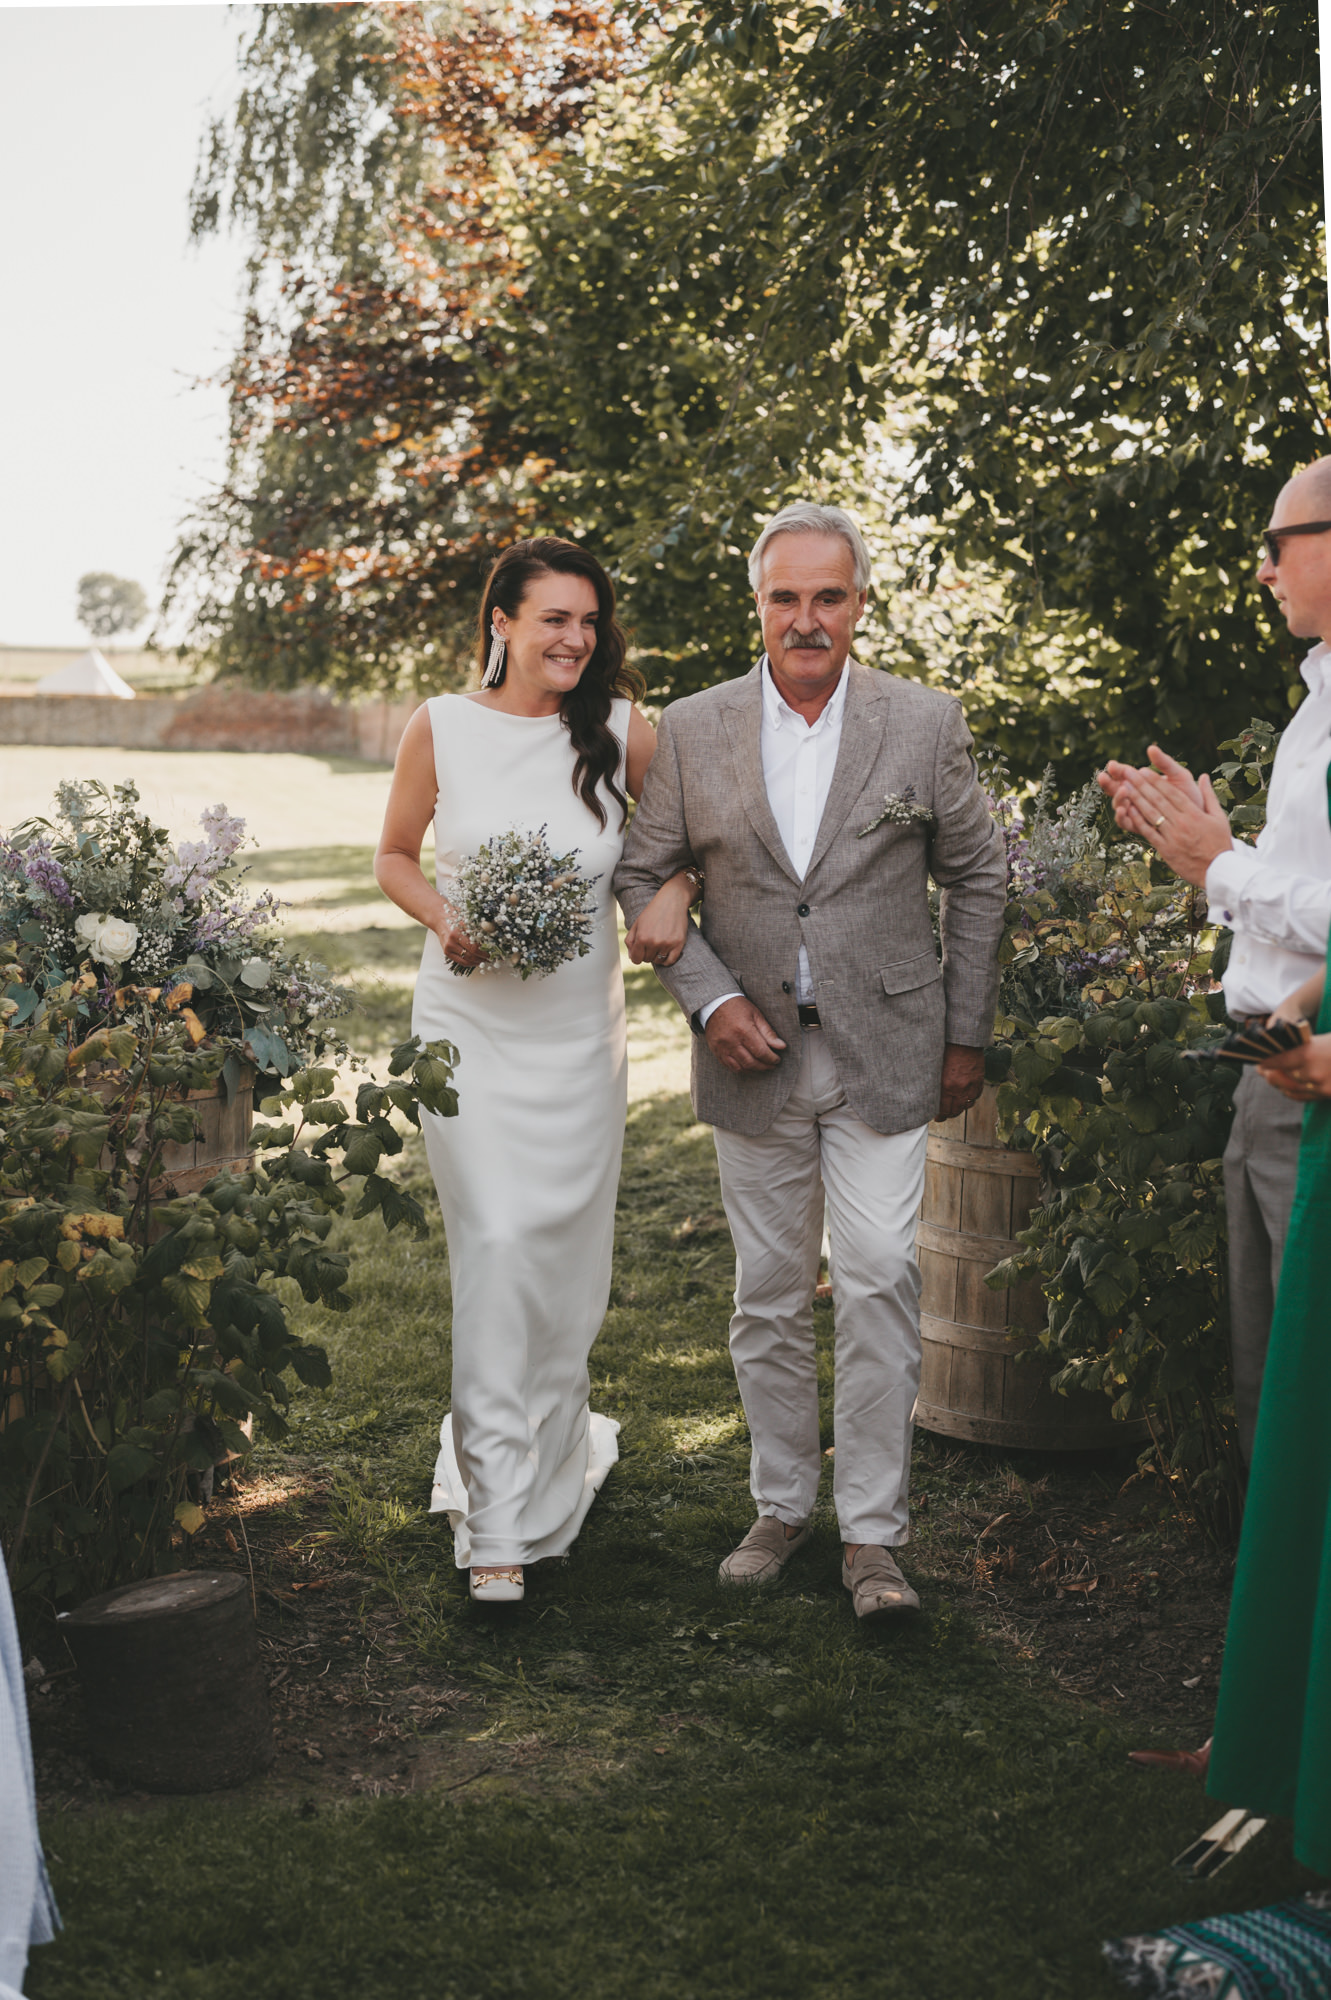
(523,906)
(110,939)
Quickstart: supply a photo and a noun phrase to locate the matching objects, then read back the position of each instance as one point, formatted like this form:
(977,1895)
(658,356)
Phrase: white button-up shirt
(798,761)
(1276,894)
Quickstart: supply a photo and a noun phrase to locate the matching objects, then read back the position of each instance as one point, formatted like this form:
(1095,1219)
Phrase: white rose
(115,941)
(88,925)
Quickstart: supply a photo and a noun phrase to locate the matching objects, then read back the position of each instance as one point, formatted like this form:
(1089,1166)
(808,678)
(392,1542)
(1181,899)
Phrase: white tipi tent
(91,673)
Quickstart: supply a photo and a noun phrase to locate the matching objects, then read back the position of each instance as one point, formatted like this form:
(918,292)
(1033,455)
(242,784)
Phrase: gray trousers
(1261,1167)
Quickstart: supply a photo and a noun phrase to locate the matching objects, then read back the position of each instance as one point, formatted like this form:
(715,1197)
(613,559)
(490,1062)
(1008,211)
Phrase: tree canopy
(1037,292)
(108,605)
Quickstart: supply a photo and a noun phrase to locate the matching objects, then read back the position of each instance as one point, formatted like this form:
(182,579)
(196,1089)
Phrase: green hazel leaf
(190,1297)
(393,1203)
(404,1055)
(1011,1271)
(266,1138)
(326,1111)
(126,1464)
(362,1149)
(310,1365)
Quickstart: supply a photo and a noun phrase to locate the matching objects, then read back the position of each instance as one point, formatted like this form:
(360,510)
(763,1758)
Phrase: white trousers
(816,1153)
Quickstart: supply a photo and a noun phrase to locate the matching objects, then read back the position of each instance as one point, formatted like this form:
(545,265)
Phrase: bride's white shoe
(496,1586)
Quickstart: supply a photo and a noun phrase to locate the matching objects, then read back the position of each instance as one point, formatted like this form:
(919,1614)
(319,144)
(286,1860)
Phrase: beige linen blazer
(886,1002)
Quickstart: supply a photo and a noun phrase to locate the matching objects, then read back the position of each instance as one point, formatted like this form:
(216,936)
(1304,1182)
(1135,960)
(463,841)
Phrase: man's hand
(963,1080)
(1115,776)
(739,1037)
(1303,1074)
(1186,834)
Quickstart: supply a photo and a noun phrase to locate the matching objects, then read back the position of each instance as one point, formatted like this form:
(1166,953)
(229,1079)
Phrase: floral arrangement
(524,906)
(101,897)
(1110,982)
(900,809)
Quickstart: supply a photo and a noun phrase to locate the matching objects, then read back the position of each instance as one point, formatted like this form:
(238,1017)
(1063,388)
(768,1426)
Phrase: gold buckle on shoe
(481,1579)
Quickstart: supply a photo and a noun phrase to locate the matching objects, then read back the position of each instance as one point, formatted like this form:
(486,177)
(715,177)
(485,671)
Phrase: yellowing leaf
(203,1267)
(197,1031)
(189,1516)
(108,1227)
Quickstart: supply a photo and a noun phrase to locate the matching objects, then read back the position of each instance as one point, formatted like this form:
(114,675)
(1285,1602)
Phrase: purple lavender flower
(46,876)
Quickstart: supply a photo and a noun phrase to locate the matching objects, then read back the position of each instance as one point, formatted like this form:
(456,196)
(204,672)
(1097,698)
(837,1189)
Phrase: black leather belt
(808,1016)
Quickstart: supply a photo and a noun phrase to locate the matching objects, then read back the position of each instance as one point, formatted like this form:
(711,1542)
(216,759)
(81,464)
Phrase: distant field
(286,800)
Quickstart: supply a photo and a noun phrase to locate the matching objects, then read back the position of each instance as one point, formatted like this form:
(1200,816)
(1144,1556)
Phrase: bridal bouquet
(524,906)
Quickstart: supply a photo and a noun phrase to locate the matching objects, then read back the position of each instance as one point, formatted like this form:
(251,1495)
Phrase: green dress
(1272,1748)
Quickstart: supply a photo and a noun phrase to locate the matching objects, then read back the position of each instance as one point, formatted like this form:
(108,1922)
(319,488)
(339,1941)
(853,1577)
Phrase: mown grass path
(650,1789)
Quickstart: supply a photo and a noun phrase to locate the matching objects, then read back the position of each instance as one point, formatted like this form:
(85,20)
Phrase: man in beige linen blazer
(818,797)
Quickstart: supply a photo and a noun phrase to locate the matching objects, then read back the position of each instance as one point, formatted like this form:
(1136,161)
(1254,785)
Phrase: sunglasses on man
(1273,537)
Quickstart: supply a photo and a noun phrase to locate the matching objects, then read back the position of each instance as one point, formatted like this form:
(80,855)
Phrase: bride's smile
(549,639)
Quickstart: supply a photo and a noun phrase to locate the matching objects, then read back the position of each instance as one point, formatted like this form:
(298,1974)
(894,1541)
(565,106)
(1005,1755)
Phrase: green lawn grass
(720,1795)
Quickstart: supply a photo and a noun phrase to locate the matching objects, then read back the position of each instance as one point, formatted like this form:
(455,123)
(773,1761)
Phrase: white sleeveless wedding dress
(528,1170)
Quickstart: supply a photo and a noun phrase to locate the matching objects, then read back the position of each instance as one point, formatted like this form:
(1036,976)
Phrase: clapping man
(1275,896)
(817,797)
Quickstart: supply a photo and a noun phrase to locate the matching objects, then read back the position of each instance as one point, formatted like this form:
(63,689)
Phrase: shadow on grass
(719,1795)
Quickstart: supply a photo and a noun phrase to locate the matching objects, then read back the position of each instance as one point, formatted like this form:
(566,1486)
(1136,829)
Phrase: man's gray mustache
(816,641)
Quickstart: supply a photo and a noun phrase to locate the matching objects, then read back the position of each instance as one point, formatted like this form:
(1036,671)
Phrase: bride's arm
(397,860)
(659,933)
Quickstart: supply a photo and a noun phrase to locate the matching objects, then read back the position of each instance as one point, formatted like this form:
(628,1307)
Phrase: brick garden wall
(220,717)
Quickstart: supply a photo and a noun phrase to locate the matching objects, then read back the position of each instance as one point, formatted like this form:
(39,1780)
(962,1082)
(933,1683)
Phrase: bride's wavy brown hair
(586,708)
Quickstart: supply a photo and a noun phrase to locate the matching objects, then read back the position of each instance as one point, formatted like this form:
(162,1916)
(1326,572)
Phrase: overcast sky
(110,315)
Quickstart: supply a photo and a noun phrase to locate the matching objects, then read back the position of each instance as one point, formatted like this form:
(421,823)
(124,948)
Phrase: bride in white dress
(527,1171)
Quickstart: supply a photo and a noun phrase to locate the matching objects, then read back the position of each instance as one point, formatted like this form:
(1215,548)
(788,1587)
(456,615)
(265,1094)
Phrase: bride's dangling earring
(494,666)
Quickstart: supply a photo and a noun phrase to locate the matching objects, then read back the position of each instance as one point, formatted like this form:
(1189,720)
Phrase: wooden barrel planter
(223,1126)
(977,1194)
(224,1135)
(174,1690)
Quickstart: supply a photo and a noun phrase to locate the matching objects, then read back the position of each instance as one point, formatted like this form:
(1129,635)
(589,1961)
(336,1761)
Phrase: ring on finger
(1157,823)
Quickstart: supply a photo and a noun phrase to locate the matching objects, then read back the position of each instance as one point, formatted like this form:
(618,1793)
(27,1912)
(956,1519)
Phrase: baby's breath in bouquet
(523,906)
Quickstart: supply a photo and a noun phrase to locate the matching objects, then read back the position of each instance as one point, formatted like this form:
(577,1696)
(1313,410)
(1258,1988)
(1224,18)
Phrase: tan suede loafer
(763,1554)
(877,1587)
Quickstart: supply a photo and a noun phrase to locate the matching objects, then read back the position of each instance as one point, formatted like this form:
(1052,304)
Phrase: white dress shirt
(1276,894)
(798,761)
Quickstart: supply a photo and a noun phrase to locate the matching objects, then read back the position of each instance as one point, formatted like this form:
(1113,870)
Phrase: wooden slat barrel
(224,1126)
(977,1194)
(224,1135)
(174,1689)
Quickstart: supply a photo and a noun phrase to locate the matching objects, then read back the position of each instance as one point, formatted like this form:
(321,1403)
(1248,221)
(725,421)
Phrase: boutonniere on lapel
(899,809)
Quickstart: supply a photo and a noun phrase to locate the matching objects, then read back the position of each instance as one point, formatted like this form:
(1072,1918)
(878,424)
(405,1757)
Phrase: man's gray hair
(805,517)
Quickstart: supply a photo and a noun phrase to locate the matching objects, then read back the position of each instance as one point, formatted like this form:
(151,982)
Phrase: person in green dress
(1271,1752)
